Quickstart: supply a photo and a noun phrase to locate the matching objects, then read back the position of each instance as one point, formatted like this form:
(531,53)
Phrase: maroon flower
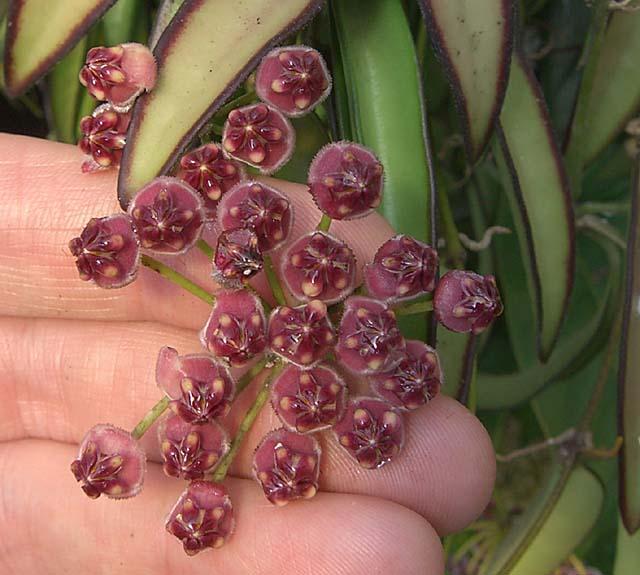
(415,380)
(208,172)
(310,400)
(190,451)
(260,136)
(235,330)
(119,73)
(465,301)
(369,340)
(168,215)
(302,335)
(107,251)
(371,431)
(294,79)
(201,388)
(346,181)
(319,266)
(237,257)
(202,518)
(110,461)
(103,138)
(287,466)
(401,269)
(260,207)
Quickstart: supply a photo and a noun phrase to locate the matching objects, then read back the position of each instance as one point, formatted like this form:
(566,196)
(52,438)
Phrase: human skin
(72,355)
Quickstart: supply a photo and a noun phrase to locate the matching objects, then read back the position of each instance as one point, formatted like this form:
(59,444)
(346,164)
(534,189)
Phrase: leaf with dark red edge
(538,190)
(629,374)
(473,39)
(208,48)
(40,32)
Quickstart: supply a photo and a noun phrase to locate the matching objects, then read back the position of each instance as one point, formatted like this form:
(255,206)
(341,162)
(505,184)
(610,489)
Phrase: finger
(45,201)
(445,471)
(49,526)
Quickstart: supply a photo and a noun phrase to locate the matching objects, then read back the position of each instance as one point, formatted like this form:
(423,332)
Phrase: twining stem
(247,423)
(274,282)
(325,223)
(177,278)
(150,418)
(205,248)
(414,308)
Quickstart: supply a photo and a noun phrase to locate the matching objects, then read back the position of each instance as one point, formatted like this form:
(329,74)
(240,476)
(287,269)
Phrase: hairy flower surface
(308,400)
(107,251)
(293,79)
(262,208)
(346,180)
(371,431)
(319,266)
(109,462)
(202,518)
(465,301)
(260,136)
(201,388)
(103,138)
(237,257)
(168,215)
(212,175)
(236,328)
(287,465)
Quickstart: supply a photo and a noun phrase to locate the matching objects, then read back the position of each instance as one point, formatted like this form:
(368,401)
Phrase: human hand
(73,355)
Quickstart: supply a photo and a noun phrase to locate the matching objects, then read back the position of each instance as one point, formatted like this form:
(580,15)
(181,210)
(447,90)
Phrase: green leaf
(473,39)
(627,553)
(537,188)
(207,50)
(40,32)
(121,23)
(553,525)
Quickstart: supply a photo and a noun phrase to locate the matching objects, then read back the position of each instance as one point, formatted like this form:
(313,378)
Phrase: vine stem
(177,278)
(150,418)
(247,423)
(274,282)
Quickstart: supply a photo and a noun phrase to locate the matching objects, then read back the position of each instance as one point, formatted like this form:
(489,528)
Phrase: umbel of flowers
(323,327)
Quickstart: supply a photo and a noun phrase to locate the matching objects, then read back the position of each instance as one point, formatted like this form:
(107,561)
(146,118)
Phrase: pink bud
(200,387)
(346,180)
(107,251)
(319,266)
(237,257)
(402,268)
(212,175)
(371,431)
(308,400)
(369,340)
(287,466)
(235,330)
(168,216)
(466,301)
(119,74)
(293,79)
(414,381)
(260,136)
(103,138)
(110,461)
(202,518)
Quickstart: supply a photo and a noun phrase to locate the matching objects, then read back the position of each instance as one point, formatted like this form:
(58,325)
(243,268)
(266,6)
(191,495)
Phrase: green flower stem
(325,223)
(248,377)
(243,100)
(205,248)
(414,308)
(150,418)
(177,278)
(456,253)
(274,282)
(247,423)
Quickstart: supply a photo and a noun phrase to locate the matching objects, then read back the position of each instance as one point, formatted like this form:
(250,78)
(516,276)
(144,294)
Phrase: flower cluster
(324,332)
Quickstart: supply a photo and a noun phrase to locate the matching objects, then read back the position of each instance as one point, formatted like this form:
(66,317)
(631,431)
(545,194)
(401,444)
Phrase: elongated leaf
(540,195)
(629,374)
(473,39)
(627,553)
(40,32)
(554,524)
(121,22)
(209,47)
(615,96)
